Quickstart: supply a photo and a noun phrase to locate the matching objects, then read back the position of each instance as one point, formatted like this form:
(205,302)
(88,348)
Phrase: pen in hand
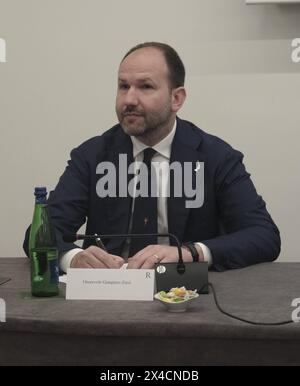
(100,243)
(102,246)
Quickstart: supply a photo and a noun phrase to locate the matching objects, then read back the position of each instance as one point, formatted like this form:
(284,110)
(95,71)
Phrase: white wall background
(58,87)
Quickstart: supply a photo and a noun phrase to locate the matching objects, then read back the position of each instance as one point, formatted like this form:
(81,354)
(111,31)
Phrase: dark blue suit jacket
(233,221)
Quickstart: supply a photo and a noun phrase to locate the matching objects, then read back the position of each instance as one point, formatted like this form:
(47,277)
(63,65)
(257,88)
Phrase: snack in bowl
(177,299)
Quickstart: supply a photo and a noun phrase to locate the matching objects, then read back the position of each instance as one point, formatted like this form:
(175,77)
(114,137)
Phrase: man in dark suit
(229,227)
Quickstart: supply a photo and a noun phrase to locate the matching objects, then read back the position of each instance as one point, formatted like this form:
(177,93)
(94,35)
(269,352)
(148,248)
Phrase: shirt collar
(163,147)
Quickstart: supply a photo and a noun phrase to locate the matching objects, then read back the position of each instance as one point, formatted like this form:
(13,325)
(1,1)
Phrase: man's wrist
(186,254)
(198,246)
(193,250)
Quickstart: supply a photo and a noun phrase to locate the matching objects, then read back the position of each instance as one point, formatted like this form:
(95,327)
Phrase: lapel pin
(198,166)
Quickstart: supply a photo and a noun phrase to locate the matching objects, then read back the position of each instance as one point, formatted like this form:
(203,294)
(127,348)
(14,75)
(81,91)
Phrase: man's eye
(147,86)
(123,86)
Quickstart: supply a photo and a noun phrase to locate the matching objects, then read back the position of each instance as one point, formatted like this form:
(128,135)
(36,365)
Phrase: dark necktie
(144,218)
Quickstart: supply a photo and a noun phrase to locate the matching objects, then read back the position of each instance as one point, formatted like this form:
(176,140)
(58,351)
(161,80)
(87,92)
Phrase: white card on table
(110,284)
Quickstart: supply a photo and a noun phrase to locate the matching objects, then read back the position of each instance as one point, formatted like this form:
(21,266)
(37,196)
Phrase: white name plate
(110,284)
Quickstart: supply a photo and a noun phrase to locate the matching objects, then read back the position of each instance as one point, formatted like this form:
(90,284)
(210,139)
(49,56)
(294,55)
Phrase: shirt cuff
(206,253)
(66,258)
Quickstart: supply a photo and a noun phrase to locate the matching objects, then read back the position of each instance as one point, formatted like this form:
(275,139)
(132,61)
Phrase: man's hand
(94,257)
(153,254)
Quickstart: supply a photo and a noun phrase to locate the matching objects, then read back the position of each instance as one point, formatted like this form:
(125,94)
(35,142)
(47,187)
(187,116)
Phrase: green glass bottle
(43,250)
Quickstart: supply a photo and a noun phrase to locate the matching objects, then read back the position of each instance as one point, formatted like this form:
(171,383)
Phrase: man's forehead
(145,62)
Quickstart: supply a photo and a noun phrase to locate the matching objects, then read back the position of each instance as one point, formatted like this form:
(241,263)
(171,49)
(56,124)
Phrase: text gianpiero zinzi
(2,51)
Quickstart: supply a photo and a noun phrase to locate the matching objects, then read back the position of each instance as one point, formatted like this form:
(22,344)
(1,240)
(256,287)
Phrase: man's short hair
(174,63)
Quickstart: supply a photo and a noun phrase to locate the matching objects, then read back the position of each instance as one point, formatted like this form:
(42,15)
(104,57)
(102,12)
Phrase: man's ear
(178,98)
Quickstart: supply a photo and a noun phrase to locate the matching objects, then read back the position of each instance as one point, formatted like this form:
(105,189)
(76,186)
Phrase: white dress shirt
(162,157)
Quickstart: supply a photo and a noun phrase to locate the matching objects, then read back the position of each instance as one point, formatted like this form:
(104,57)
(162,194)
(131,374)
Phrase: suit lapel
(184,149)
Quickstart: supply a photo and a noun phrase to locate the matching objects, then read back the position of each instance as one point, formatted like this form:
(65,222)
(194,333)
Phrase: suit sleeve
(68,203)
(249,234)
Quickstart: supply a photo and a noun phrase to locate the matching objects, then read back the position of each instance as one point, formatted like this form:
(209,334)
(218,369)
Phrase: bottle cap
(40,191)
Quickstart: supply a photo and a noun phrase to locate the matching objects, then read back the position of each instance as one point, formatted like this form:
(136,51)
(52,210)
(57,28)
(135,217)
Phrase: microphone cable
(242,319)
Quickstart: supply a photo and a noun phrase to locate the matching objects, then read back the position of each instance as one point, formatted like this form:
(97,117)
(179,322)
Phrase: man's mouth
(132,115)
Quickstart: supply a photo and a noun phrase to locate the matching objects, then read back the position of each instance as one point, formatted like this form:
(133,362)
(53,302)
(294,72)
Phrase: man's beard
(136,123)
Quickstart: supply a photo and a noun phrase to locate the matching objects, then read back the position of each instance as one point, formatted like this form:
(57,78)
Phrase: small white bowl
(176,306)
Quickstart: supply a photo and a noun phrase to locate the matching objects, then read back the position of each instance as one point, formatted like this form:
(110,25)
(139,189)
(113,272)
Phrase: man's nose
(131,97)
